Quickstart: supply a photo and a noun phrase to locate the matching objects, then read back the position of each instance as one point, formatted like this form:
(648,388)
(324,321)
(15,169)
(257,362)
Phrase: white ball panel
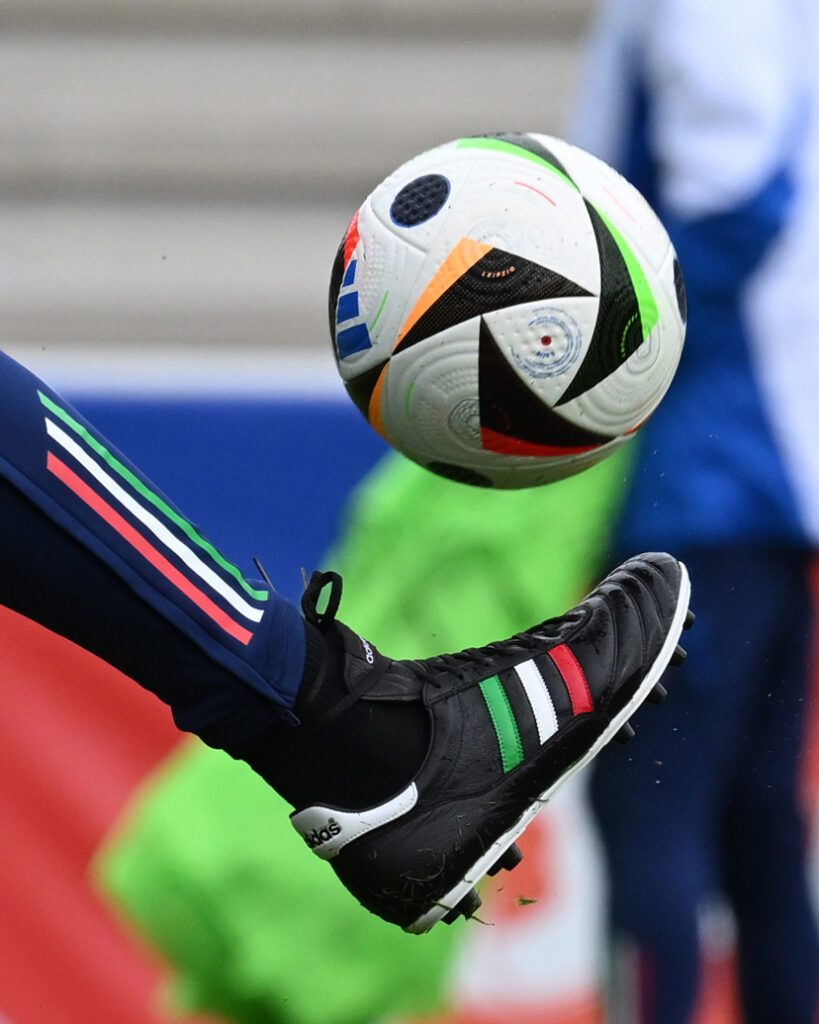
(424,384)
(545,342)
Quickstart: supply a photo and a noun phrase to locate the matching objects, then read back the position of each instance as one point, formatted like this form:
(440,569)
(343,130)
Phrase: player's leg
(653,809)
(93,550)
(657,812)
(764,832)
(414,777)
(53,579)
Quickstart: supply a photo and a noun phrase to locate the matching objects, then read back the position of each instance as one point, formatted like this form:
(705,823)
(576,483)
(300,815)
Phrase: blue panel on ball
(347,307)
(349,274)
(353,339)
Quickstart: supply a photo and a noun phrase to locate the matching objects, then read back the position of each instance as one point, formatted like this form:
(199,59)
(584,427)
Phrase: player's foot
(502,728)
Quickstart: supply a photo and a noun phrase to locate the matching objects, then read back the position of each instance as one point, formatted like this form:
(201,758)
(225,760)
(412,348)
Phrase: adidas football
(506,310)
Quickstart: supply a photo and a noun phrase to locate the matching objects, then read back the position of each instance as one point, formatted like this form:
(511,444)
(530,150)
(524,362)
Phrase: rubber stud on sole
(689,619)
(468,906)
(678,657)
(657,695)
(624,734)
(508,860)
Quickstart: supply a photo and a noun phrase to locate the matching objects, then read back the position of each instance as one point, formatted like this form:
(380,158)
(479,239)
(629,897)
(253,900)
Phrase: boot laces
(324,620)
(312,594)
(462,663)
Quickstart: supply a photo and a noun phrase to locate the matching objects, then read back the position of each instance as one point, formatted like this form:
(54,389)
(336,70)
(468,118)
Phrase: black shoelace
(312,595)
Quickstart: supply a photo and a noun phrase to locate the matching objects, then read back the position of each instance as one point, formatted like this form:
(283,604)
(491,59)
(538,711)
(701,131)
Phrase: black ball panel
(679,288)
(460,474)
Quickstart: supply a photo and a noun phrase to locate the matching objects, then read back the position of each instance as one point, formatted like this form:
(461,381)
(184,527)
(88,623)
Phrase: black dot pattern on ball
(419,200)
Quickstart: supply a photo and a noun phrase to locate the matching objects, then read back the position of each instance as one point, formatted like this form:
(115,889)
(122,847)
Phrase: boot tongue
(375,677)
(397,684)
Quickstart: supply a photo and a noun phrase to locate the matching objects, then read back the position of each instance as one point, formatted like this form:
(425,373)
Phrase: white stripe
(158,529)
(539,698)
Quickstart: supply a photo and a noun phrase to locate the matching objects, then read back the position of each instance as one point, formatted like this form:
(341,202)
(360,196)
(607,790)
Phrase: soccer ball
(506,310)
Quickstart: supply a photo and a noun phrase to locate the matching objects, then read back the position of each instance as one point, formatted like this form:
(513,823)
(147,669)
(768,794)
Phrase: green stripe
(408,397)
(154,499)
(380,310)
(509,147)
(503,719)
(649,313)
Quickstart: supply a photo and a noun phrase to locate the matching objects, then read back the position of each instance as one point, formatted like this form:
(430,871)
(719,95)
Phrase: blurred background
(175,176)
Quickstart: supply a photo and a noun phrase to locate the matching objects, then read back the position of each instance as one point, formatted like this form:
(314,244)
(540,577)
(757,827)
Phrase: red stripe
(137,541)
(351,241)
(574,677)
(493,441)
(533,189)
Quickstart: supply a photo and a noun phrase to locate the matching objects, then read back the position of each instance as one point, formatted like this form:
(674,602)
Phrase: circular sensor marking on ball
(419,200)
(553,348)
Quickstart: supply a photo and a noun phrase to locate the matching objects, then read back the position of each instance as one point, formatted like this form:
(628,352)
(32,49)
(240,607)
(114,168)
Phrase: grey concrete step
(187,118)
(335,18)
(184,274)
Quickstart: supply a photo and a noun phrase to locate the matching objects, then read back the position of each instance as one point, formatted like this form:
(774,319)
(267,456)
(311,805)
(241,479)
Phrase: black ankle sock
(368,754)
(364,756)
